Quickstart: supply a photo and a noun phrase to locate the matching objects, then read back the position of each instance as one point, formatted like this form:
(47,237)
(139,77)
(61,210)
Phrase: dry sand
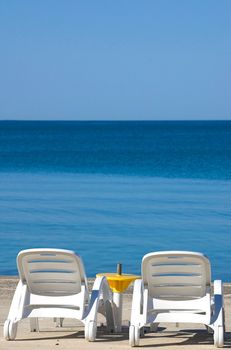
(71,336)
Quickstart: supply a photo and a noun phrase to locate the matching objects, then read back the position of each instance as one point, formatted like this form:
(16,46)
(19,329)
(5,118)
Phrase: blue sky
(122,59)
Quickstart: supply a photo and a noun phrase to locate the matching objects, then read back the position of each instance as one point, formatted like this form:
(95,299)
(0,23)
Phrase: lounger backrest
(51,272)
(176,275)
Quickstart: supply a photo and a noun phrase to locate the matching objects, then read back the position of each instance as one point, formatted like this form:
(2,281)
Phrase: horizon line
(115,120)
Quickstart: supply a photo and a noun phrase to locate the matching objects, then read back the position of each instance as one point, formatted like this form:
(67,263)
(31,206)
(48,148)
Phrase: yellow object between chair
(118,283)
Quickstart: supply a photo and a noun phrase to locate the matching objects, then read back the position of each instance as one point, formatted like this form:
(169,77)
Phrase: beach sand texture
(71,336)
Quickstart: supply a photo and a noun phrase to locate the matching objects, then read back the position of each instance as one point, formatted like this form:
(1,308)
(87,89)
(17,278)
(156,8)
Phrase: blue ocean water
(113,191)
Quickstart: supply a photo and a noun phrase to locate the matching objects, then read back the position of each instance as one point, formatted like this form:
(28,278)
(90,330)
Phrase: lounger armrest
(18,301)
(218,302)
(100,291)
(137,301)
(218,287)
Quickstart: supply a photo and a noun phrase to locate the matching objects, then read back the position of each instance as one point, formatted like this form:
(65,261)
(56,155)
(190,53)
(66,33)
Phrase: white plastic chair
(53,284)
(176,287)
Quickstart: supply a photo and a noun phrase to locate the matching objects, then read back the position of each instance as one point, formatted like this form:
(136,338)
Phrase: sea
(113,191)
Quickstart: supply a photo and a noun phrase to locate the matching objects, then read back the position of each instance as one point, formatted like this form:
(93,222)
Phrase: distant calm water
(113,191)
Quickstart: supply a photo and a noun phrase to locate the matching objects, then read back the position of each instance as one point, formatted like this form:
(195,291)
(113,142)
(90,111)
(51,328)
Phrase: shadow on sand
(158,339)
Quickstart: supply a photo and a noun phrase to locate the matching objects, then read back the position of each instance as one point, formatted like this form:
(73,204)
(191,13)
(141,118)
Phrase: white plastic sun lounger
(53,284)
(176,287)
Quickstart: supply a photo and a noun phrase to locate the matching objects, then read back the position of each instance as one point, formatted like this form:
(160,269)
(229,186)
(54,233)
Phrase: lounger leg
(218,318)
(15,313)
(58,322)
(153,327)
(100,291)
(34,325)
(209,329)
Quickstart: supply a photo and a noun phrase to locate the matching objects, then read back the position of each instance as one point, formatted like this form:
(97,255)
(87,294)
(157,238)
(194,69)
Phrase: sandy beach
(71,336)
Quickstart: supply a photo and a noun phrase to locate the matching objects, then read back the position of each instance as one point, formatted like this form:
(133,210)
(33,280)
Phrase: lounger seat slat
(169,280)
(162,269)
(51,265)
(176,291)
